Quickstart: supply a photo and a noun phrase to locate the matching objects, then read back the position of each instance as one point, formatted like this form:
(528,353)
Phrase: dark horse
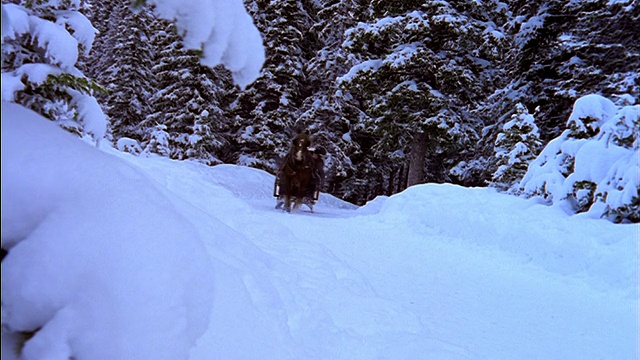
(297,171)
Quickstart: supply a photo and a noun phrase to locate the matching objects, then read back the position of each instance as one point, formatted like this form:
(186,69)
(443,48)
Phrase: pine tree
(39,56)
(423,67)
(620,189)
(158,142)
(265,114)
(592,166)
(124,64)
(516,146)
(326,111)
(187,102)
(558,52)
(565,50)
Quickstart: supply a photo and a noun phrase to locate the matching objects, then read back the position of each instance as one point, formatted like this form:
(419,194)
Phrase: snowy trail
(341,283)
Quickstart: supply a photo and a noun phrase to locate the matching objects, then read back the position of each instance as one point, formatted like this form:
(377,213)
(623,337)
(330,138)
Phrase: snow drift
(77,223)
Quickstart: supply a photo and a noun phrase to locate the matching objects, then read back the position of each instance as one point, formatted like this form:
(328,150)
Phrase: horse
(297,171)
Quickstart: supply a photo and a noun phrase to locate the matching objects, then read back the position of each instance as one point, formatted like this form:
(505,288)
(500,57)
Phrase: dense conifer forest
(398,92)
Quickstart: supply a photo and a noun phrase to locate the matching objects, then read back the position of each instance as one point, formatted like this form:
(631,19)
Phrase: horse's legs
(285,195)
(300,190)
(287,203)
(279,203)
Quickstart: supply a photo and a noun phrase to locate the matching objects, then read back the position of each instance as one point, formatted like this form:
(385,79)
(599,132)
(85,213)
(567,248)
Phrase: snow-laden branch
(222,29)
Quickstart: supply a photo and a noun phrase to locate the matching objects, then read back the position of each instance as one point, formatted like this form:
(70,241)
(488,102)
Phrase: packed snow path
(437,272)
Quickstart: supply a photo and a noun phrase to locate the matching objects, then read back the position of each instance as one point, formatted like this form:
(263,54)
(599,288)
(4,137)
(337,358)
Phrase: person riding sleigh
(300,177)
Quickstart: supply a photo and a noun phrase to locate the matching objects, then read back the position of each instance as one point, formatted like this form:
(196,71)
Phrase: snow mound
(502,219)
(79,271)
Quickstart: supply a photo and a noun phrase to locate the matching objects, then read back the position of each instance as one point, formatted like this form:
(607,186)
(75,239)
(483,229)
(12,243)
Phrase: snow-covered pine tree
(592,167)
(188,101)
(265,113)
(158,142)
(421,70)
(563,50)
(326,112)
(620,189)
(516,146)
(123,61)
(39,53)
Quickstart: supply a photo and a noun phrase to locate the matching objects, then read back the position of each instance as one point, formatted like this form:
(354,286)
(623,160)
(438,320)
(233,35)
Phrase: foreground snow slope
(96,251)
(122,257)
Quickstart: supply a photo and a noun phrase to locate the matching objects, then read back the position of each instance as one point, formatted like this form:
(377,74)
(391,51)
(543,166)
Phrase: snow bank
(528,230)
(100,265)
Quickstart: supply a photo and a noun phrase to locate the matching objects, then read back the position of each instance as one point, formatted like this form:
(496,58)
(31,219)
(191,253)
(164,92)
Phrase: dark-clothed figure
(314,188)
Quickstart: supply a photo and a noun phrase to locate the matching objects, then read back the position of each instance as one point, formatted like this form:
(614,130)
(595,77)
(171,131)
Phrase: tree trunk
(417,158)
(401,181)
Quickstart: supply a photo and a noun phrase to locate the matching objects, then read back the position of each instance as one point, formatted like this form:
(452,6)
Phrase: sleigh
(298,180)
(309,199)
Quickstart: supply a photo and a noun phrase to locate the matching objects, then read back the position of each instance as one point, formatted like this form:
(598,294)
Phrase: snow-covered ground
(113,256)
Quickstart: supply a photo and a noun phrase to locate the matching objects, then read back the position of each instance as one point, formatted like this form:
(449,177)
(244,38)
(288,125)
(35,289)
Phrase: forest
(398,92)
